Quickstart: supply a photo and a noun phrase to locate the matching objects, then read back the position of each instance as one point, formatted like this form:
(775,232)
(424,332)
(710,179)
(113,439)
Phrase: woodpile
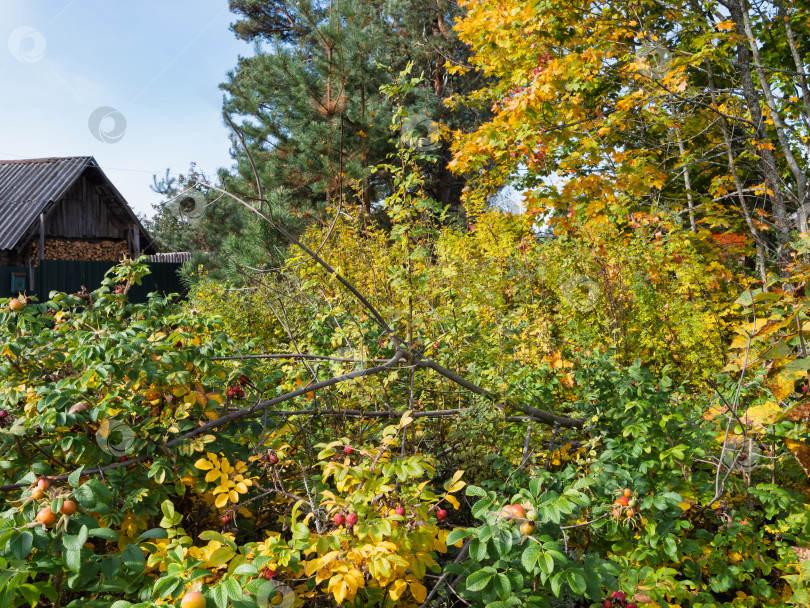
(86,251)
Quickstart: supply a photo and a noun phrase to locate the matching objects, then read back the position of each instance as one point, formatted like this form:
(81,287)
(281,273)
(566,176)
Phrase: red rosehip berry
(3,414)
(349,450)
(243,379)
(272,458)
(631,605)
(619,595)
(340,519)
(607,604)
(270,573)
(441,514)
(225,519)
(351,519)
(399,511)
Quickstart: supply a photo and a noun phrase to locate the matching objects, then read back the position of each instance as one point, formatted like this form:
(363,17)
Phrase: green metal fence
(69,276)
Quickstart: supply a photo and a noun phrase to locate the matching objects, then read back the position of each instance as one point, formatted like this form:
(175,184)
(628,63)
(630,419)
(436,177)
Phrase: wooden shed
(64,209)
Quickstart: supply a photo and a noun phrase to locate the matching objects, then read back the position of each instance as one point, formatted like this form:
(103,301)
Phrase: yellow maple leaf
(762,415)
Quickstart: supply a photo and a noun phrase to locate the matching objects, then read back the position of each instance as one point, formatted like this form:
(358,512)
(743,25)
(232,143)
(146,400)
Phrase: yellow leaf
(453,501)
(762,415)
(456,487)
(324,561)
(212,475)
(221,501)
(725,26)
(203,465)
(406,419)
(339,588)
(801,452)
(234,495)
(397,588)
(418,591)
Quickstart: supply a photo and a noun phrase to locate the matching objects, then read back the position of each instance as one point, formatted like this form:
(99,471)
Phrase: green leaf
(30,593)
(671,548)
(156,533)
(246,569)
(475,491)
(93,496)
(530,556)
(480,579)
(502,586)
(75,543)
(74,479)
(233,588)
(111,566)
(73,559)
(556,583)
(21,545)
(163,586)
(220,595)
(457,535)
(535,485)
(211,535)
(220,556)
(167,506)
(546,564)
(134,558)
(576,581)
(105,533)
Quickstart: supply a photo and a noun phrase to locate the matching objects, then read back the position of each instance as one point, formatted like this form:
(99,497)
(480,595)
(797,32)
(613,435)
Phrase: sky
(134,84)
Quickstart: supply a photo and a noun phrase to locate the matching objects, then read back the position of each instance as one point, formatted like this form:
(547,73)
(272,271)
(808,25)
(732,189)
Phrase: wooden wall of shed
(82,213)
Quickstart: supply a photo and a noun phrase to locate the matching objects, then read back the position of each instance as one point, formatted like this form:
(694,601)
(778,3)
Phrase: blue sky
(155,66)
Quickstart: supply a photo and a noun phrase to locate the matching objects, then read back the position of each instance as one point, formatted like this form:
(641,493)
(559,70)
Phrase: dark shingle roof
(26,188)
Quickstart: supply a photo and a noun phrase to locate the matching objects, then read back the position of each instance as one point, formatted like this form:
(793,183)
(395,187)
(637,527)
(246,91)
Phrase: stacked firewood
(66,249)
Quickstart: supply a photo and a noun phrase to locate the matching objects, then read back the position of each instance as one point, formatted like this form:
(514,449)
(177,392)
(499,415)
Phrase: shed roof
(27,187)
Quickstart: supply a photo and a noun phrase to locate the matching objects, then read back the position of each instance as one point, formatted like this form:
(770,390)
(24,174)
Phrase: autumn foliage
(593,403)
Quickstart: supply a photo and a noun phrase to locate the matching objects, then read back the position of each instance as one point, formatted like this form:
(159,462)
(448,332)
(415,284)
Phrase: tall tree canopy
(696,109)
(309,103)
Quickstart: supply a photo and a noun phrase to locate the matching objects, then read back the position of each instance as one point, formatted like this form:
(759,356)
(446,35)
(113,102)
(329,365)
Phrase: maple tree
(694,110)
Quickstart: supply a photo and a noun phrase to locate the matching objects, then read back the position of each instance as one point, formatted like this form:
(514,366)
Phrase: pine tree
(309,107)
